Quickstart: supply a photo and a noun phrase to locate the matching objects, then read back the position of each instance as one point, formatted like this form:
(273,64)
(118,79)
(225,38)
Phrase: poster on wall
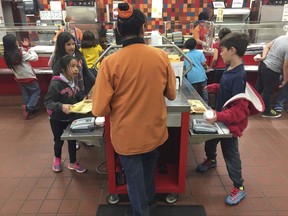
(157,6)
(115,7)
(45,15)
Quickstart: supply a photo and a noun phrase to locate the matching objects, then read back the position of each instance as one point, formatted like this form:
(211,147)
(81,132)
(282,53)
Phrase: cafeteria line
(184,114)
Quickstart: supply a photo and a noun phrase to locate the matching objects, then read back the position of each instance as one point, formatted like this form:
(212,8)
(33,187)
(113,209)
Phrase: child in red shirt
(217,62)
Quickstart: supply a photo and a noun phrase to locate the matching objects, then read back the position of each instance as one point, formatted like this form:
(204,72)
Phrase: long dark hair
(88,40)
(12,53)
(60,51)
(65,61)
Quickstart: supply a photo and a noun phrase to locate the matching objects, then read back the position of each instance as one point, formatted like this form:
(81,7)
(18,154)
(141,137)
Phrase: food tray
(196,106)
(82,107)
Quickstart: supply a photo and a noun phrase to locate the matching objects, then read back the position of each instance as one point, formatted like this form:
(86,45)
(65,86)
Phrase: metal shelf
(169,48)
(28,28)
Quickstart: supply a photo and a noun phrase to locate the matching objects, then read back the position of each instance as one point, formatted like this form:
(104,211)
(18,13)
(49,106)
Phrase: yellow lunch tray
(83,107)
(196,106)
(174,58)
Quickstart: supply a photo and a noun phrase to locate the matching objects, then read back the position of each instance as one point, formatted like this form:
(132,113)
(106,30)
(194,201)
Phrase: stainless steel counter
(174,108)
(95,136)
(180,104)
(174,111)
(223,132)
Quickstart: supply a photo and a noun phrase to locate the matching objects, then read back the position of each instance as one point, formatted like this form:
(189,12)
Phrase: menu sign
(237,4)
(285,13)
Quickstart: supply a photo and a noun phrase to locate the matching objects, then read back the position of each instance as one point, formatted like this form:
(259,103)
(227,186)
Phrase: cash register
(83,124)
(201,126)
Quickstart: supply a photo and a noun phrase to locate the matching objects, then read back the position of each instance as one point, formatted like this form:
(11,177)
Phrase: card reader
(201,126)
(83,124)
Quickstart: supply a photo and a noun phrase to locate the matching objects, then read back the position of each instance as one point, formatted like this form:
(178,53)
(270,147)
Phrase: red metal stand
(173,156)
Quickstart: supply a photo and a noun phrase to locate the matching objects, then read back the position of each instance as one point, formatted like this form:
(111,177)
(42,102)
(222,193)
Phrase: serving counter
(170,175)
(41,68)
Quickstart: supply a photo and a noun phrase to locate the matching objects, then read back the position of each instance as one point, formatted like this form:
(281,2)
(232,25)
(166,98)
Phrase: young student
(17,59)
(62,93)
(65,44)
(128,86)
(235,102)
(91,50)
(217,62)
(197,75)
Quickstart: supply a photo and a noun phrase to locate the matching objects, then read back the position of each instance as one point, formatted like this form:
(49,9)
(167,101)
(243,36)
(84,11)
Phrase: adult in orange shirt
(200,30)
(70,26)
(131,87)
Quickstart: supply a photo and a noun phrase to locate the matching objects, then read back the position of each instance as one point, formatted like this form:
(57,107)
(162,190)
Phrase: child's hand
(213,119)
(209,69)
(25,42)
(66,108)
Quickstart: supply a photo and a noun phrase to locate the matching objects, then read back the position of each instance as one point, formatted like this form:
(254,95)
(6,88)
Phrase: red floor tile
(29,187)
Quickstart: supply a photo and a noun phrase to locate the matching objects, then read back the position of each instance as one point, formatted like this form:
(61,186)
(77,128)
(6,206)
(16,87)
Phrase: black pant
(266,83)
(231,156)
(57,130)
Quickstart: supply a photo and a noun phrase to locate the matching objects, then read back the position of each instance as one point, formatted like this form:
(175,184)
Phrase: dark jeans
(30,95)
(57,130)
(266,83)
(139,170)
(282,95)
(231,156)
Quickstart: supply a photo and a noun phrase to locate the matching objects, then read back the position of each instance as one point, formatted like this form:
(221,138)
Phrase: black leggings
(266,82)
(57,130)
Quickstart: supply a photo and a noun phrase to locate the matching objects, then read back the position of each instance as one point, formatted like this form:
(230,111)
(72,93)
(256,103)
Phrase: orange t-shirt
(199,34)
(78,33)
(130,87)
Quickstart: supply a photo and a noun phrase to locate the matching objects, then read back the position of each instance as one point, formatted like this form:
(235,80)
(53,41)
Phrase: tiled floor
(29,187)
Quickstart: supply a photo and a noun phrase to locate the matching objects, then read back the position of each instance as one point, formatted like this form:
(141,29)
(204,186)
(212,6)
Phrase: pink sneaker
(77,167)
(57,166)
